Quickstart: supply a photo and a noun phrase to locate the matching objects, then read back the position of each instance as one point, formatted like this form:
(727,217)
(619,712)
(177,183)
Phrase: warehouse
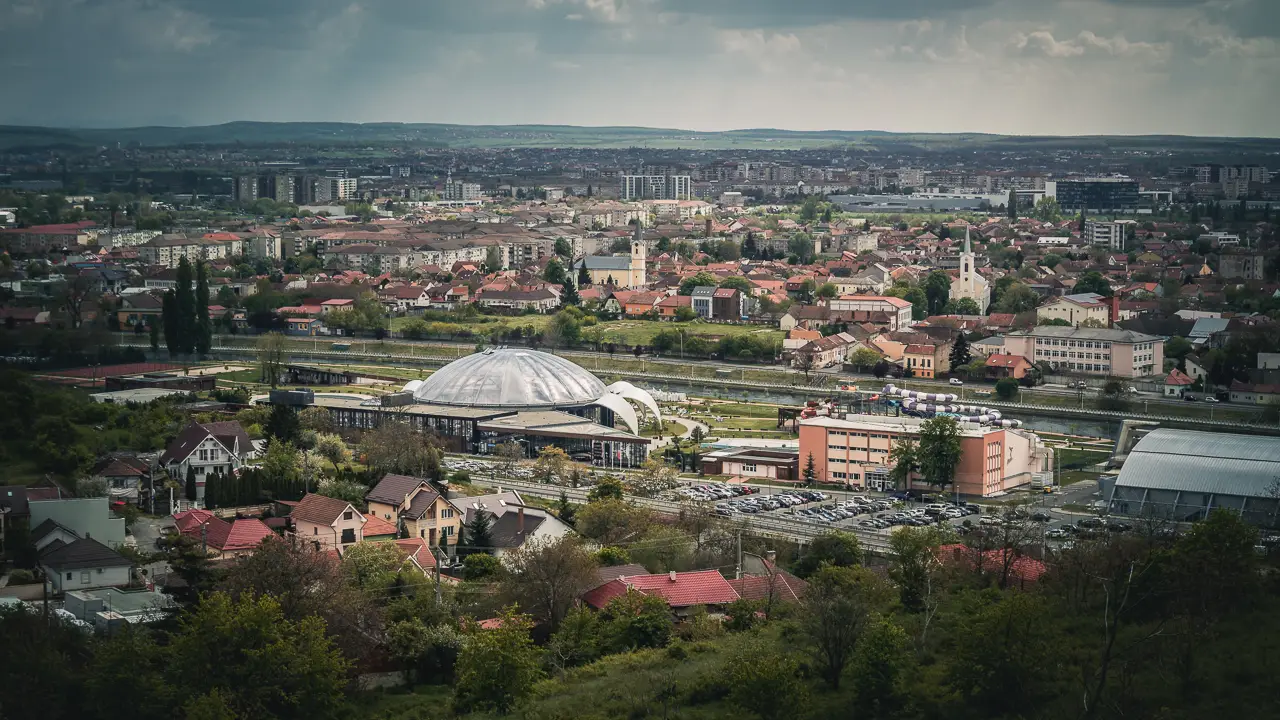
(1184,474)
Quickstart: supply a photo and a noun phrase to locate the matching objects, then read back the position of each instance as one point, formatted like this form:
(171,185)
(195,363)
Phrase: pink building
(328,523)
(857,451)
(1104,352)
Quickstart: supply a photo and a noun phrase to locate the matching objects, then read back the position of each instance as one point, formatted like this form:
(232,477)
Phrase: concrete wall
(88,517)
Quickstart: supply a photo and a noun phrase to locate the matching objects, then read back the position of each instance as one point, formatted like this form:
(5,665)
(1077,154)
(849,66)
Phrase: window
(68,576)
(748,468)
(315,531)
(346,515)
(84,577)
(446,513)
(446,531)
(348,536)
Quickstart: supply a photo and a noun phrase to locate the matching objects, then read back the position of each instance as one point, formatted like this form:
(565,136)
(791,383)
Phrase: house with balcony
(207,448)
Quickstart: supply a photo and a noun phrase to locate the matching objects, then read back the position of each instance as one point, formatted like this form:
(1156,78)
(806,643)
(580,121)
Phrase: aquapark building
(996,454)
(531,398)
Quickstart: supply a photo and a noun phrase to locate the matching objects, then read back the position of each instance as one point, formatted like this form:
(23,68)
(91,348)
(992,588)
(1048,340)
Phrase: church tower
(638,257)
(970,284)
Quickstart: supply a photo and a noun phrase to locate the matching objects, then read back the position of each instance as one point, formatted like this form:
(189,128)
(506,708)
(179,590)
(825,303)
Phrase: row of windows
(1069,354)
(852,433)
(1100,344)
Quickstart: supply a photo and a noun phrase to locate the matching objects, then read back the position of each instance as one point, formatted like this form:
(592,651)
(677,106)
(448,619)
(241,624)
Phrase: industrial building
(1182,475)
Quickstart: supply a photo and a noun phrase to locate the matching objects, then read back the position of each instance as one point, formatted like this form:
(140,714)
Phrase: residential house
(897,309)
(1077,310)
(1176,383)
(514,522)
(643,303)
(82,517)
(138,308)
(207,448)
(824,352)
(83,564)
(921,360)
(999,365)
(702,300)
(328,523)
(670,305)
(412,504)
(681,591)
(404,298)
(542,300)
(123,474)
(302,326)
(220,538)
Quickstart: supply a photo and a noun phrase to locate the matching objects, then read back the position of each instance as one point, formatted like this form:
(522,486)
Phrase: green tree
(939,450)
(264,664)
(1017,299)
(834,549)
(937,289)
(800,247)
(479,567)
(1052,260)
(914,566)
(881,664)
(919,302)
(737,282)
(1006,388)
(1048,210)
(766,682)
(960,355)
(478,532)
(271,356)
(701,279)
(172,327)
(497,667)
(546,578)
(906,462)
(810,473)
(608,488)
(1012,205)
(1003,666)
(863,358)
(493,261)
(635,620)
(190,489)
(826,291)
(1093,282)
(563,249)
(838,606)
(283,423)
(555,273)
(185,308)
(203,325)
(962,306)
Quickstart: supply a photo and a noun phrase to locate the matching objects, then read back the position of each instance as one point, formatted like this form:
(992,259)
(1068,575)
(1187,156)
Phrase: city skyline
(1050,67)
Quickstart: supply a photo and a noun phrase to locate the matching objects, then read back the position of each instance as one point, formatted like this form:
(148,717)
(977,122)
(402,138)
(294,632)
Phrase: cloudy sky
(1209,67)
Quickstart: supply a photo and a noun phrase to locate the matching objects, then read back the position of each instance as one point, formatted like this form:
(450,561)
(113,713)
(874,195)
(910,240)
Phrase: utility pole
(737,573)
(204,538)
(437,576)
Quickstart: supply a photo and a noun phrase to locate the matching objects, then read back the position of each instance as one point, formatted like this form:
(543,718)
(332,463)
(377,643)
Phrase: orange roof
(377,527)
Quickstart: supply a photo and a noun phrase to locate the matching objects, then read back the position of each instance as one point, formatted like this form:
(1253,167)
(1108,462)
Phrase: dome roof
(510,378)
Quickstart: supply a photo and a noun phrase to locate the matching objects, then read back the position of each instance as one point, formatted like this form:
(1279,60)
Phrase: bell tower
(638,257)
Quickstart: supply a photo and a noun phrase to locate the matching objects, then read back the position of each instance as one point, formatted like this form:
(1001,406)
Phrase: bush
(1007,388)
(21,577)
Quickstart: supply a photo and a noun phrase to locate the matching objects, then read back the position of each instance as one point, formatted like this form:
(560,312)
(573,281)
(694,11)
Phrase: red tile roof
(377,527)
(245,534)
(706,587)
(782,586)
(1177,377)
(191,519)
(997,360)
(416,549)
(1022,568)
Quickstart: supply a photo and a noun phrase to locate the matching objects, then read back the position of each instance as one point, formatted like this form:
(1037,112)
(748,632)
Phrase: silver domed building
(513,395)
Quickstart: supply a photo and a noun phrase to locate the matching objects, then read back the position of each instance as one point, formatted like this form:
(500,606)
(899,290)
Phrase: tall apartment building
(1108,234)
(333,189)
(284,188)
(459,191)
(245,188)
(656,187)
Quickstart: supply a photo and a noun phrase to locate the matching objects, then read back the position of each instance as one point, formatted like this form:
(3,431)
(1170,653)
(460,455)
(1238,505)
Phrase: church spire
(967,249)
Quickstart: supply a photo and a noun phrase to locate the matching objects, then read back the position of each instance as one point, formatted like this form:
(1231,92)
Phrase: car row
(713,491)
(765,503)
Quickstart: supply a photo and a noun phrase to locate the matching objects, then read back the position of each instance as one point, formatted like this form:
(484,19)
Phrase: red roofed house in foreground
(223,539)
(1015,569)
(681,590)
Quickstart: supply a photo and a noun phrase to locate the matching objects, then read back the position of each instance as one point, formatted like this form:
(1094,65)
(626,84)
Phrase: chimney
(1113,306)
(520,520)
(771,557)
(671,576)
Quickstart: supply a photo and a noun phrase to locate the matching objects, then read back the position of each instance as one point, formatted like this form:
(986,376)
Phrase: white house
(514,523)
(83,564)
(207,448)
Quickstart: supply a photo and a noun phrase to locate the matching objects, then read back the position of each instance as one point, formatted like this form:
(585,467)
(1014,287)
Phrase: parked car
(1210,399)
(956,381)
(1041,517)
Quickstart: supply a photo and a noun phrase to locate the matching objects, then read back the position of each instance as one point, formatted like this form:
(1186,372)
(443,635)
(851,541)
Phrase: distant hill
(514,136)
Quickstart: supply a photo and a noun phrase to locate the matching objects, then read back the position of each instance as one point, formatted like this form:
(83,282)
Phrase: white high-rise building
(970,284)
(656,187)
(330,189)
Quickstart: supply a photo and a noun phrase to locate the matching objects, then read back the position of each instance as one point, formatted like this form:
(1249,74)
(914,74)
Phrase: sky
(1033,67)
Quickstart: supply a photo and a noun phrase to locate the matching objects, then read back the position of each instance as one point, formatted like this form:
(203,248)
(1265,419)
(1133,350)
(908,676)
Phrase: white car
(1210,399)
(955,381)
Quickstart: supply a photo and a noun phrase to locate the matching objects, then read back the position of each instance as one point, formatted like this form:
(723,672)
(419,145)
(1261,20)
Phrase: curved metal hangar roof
(510,378)
(1203,462)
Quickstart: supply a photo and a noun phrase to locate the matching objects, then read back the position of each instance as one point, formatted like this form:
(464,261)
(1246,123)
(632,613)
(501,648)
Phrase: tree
(563,249)
(701,279)
(612,522)
(766,682)
(271,349)
(577,641)
(608,488)
(655,476)
(478,533)
(834,549)
(315,419)
(1006,388)
(1093,282)
(584,275)
(1052,260)
(169,318)
(332,448)
(1004,667)
(261,662)
(737,282)
(508,454)
(493,261)
(555,273)
(153,331)
(1048,210)
(636,620)
(479,567)
(283,423)
(76,289)
(372,566)
(610,556)
(962,306)
(800,247)
(881,368)
(919,302)
(203,325)
(426,653)
(804,363)
(1017,299)
(810,473)
(395,447)
(937,289)
(880,663)
(546,577)
(1012,205)
(906,462)
(838,606)
(497,667)
(185,308)
(939,450)
(190,487)
(863,358)
(914,566)
(960,355)
(826,291)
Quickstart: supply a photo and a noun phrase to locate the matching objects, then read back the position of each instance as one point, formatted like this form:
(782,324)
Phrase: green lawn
(744,410)
(642,332)
(669,427)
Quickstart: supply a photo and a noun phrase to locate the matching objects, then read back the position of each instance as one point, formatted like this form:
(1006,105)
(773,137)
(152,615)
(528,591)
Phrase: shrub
(21,577)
